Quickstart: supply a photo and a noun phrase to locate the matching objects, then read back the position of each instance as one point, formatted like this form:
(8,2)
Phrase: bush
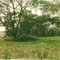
(25,38)
(21,38)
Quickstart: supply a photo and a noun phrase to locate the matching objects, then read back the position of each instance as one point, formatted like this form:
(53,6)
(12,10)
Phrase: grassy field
(41,48)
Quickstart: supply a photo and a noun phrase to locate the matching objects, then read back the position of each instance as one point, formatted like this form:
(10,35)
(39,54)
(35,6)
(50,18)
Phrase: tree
(18,20)
(47,7)
(13,11)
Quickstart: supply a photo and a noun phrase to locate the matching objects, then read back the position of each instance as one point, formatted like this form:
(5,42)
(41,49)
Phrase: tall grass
(39,49)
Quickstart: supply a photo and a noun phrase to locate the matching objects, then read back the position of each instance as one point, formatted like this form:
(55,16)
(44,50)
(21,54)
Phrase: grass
(41,48)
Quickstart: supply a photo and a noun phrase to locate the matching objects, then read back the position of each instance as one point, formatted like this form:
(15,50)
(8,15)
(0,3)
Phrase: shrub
(25,38)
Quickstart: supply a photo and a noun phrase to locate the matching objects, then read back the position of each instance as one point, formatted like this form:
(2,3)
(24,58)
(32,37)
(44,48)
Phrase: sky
(2,28)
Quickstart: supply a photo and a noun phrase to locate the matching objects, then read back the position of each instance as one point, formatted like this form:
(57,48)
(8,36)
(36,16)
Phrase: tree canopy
(18,20)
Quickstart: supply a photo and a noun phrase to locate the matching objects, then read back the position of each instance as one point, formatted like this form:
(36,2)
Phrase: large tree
(13,11)
(18,20)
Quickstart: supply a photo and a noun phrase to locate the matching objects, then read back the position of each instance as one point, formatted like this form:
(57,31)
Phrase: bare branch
(16,6)
(5,4)
(20,3)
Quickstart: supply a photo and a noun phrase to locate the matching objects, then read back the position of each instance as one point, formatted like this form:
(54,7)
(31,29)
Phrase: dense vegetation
(29,35)
(42,48)
(23,22)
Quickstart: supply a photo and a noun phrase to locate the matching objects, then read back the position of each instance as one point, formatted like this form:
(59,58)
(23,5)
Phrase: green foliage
(22,22)
(21,38)
(42,48)
(58,31)
(47,7)
(37,25)
(52,32)
(25,38)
